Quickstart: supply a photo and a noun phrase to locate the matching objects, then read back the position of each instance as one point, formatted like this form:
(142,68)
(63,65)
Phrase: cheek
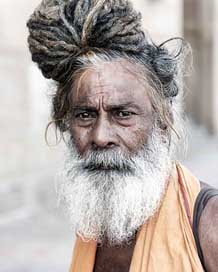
(135,136)
(81,138)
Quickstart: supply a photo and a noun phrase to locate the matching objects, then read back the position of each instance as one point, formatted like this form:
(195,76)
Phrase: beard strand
(109,194)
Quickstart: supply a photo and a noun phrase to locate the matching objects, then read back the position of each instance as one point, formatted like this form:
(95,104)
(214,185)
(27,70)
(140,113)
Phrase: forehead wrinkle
(98,87)
(87,97)
(103,83)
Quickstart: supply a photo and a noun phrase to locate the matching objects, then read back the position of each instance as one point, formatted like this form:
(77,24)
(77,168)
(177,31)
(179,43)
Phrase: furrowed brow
(121,106)
(83,108)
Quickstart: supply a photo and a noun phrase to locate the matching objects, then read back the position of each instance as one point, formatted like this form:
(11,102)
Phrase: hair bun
(60,30)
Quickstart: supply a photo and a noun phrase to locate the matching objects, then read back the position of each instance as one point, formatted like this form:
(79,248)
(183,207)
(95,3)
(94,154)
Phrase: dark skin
(114,259)
(107,113)
(111,109)
(208,234)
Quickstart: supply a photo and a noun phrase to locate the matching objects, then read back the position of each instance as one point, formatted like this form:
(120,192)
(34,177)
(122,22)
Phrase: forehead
(113,82)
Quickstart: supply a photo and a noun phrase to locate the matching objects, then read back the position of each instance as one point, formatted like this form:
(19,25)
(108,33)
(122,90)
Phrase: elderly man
(118,106)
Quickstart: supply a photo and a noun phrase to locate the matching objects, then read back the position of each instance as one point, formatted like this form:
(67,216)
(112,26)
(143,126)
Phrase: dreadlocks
(60,31)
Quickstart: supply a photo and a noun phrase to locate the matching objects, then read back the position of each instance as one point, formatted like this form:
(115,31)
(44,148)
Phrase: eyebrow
(83,107)
(110,107)
(122,106)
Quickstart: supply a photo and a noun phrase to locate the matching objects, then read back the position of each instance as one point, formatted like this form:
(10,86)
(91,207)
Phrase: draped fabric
(165,242)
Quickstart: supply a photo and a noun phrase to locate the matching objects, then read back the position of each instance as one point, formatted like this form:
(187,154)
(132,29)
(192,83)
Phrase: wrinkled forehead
(116,82)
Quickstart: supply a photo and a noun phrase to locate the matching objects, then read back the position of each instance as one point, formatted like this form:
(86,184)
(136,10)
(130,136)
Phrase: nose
(103,134)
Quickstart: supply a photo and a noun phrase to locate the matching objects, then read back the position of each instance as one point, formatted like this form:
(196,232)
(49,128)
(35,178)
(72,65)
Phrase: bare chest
(114,259)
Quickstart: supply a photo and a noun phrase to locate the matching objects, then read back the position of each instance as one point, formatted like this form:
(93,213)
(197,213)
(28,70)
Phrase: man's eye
(123,114)
(85,115)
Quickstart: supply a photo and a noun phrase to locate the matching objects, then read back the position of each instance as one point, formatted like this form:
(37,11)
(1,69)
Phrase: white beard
(113,204)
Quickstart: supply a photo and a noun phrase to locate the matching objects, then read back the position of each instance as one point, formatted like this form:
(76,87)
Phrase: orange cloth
(165,242)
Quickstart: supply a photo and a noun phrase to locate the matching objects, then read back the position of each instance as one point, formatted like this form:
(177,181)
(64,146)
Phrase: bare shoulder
(208,234)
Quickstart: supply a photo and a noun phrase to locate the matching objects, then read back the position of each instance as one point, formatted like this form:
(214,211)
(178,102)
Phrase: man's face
(110,108)
(117,164)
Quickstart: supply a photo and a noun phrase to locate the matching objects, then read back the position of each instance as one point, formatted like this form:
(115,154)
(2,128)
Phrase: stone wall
(200,29)
(215,72)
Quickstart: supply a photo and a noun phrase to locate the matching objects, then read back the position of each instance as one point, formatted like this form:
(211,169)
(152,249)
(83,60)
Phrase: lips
(93,167)
(102,166)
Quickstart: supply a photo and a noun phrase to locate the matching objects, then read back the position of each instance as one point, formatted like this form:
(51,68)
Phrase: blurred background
(34,236)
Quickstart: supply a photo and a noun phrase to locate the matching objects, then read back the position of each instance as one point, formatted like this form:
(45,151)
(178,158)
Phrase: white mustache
(105,160)
(111,160)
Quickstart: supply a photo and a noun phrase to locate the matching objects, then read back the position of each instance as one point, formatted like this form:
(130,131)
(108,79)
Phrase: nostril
(95,146)
(110,144)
